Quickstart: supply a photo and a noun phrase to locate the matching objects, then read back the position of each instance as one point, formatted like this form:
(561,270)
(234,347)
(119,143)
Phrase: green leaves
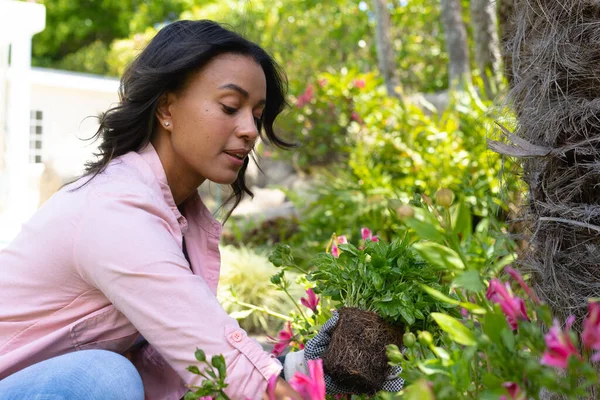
(218,362)
(419,390)
(200,355)
(214,382)
(383,278)
(461,220)
(470,280)
(440,256)
(425,229)
(455,330)
(439,295)
(282,256)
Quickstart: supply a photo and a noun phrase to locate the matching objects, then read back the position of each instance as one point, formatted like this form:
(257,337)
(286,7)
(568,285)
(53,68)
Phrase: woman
(125,260)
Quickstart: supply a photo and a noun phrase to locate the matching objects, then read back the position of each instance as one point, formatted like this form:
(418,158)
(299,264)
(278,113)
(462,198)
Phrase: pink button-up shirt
(98,266)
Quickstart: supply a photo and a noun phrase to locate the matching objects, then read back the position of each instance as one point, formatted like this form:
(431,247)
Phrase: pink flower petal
(359,83)
(335,251)
(284,339)
(591,327)
(311,302)
(342,239)
(516,276)
(310,387)
(513,307)
(514,391)
(559,347)
(366,233)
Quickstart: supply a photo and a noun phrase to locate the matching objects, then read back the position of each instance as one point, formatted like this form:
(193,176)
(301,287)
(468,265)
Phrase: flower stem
(295,304)
(262,309)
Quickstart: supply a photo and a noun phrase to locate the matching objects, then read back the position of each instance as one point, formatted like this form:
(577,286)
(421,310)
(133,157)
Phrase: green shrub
(391,151)
(242,231)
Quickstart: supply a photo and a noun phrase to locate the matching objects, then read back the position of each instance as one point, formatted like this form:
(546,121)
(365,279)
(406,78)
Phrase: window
(35,136)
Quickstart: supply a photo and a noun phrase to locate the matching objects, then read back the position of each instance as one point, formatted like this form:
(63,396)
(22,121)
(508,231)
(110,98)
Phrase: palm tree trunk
(506,10)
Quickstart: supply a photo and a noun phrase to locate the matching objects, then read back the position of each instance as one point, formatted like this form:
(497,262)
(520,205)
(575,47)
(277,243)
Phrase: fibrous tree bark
(556,97)
(506,9)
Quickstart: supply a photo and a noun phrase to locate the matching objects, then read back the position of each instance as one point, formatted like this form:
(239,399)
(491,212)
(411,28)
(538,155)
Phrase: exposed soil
(356,356)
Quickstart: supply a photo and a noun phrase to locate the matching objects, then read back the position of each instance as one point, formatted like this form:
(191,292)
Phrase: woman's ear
(163,114)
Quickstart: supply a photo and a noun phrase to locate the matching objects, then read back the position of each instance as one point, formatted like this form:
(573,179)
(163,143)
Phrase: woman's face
(210,126)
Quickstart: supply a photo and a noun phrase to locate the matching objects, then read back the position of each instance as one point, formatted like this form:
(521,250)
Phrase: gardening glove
(315,348)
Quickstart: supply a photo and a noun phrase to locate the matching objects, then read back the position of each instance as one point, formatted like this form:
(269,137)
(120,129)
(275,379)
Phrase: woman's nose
(248,128)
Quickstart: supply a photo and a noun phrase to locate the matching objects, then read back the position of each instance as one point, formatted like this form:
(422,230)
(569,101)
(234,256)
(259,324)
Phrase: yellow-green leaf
(439,256)
(455,330)
(438,295)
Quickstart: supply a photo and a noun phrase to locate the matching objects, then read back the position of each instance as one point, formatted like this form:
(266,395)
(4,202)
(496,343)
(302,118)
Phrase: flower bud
(425,338)
(444,197)
(394,354)
(276,279)
(405,211)
(409,339)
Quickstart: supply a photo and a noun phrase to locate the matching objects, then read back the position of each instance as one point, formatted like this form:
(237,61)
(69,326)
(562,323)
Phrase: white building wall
(70,103)
(69,115)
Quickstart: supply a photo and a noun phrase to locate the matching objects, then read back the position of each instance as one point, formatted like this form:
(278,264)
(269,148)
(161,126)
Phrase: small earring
(167,123)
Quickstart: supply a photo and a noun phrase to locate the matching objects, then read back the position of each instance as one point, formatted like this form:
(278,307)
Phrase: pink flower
(310,387)
(517,277)
(305,97)
(591,330)
(514,391)
(323,82)
(284,338)
(368,235)
(271,386)
(312,302)
(356,117)
(512,306)
(359,83)
(559,346)
(335,251)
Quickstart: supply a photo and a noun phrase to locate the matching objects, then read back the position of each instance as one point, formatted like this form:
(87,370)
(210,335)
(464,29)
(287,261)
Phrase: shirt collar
(193,206)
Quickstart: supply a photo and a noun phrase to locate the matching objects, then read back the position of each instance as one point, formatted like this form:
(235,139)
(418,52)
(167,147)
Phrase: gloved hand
(314,349)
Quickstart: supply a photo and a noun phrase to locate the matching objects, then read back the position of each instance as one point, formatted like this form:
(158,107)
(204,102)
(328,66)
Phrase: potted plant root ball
(379,297)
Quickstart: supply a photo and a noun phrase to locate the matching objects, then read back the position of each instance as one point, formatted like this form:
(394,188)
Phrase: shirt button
(236,336)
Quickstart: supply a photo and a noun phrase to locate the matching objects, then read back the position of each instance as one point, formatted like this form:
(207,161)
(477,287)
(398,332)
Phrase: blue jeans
(85,374)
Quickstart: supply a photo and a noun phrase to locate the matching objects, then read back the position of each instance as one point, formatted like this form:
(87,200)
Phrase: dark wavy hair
(172,56)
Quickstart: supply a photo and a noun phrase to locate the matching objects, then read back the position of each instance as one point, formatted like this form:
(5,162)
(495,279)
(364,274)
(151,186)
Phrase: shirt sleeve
(124,248)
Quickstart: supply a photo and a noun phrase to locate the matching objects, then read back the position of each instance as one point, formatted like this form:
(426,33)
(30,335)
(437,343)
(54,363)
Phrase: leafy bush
(390,152)
(91,59)
(259,234)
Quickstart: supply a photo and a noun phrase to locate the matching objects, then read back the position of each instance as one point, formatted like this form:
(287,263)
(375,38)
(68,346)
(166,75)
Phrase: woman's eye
(257,121)
(229,110)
